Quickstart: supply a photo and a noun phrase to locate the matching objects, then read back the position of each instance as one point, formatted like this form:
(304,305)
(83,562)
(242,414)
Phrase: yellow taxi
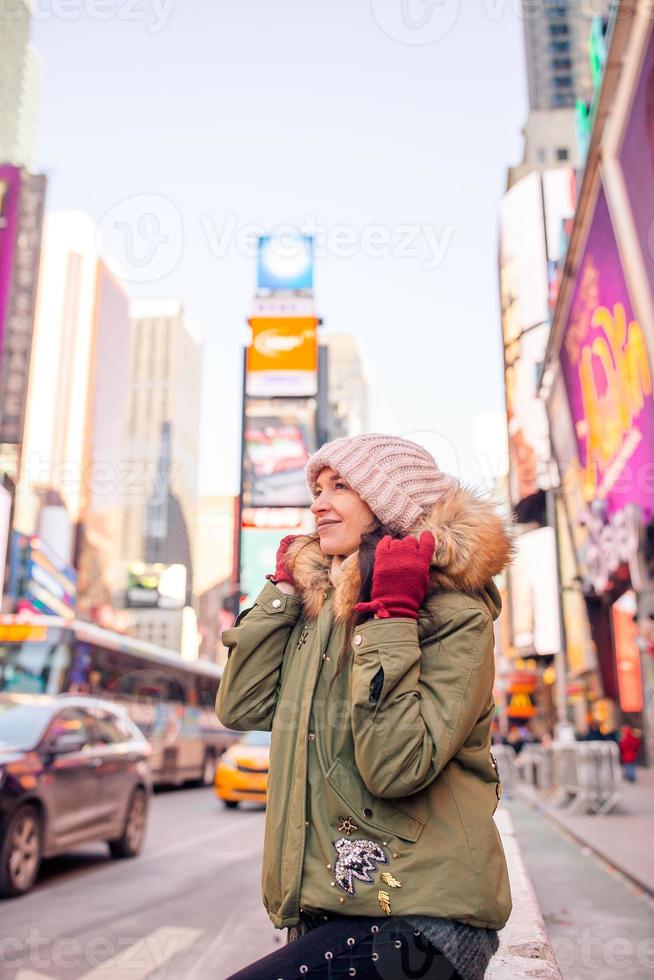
(242,770)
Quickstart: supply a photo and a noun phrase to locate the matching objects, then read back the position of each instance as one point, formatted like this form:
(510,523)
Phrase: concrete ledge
(525,950)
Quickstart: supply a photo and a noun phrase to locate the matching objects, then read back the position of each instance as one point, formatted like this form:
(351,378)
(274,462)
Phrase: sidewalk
(525,949)
(623,839)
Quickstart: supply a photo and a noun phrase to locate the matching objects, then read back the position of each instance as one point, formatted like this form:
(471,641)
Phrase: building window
(562,64)
(562,153)
(563,81)
(559,30)
(560,47)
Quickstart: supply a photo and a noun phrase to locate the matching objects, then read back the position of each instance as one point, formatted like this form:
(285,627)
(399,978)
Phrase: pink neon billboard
(608,377)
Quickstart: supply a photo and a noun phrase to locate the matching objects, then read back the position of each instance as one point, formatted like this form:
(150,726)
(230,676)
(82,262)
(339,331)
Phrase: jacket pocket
(383,815)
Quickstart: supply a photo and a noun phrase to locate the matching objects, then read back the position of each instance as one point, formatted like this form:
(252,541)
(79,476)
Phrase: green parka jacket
(382,790)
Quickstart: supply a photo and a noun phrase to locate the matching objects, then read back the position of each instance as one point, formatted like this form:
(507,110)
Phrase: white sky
(215,117)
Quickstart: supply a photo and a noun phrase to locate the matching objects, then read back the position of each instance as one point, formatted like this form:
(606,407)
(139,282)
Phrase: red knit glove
(281,573)
(400,577)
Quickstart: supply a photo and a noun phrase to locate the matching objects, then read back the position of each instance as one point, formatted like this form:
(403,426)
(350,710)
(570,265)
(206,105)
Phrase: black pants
(352,946)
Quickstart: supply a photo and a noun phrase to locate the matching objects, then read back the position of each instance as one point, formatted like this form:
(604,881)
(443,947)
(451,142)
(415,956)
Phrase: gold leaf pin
(389,880)
(384,902)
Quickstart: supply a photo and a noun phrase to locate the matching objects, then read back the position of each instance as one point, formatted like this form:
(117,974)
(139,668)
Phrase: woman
(369,654)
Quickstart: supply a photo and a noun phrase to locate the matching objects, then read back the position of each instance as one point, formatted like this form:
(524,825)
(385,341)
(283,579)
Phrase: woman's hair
(366,560)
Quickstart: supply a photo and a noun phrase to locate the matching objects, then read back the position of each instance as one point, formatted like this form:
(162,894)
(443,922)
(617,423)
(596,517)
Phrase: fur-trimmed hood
(473,544)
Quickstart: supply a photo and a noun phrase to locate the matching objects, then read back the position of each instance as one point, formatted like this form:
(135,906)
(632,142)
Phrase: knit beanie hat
(398,479)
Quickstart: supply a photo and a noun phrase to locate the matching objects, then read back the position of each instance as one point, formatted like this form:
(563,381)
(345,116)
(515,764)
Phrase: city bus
(170,699)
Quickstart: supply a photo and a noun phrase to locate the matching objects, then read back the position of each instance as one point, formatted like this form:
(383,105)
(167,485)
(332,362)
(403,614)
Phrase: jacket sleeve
(415,703)
(248,690)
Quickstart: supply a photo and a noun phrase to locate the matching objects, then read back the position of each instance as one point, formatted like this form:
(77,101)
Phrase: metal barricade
(535,767)
(564,773)
(587,776)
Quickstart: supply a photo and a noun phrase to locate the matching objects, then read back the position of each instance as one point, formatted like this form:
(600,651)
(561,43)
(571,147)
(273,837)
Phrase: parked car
(242,770)
(72,769)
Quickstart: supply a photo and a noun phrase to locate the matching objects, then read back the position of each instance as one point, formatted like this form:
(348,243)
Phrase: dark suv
(72,769)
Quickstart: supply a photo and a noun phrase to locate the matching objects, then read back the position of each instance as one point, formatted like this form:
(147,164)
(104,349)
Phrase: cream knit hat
(398,479)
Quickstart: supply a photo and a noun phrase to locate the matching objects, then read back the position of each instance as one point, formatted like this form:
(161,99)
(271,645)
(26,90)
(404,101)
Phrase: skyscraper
(346,386)
(557,50)
(163,427)
(21,73)
(167,535)
(559,76)
(57,422)
(74,419)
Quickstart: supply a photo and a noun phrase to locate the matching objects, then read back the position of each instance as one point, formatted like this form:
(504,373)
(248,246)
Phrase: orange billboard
(282,358)
(627,654)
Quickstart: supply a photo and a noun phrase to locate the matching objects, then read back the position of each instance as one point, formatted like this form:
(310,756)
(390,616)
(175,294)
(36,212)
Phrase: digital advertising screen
(607,375)
(636,157)
(285,261)
(282,358)
(525,328)
(279,436)
(260,537)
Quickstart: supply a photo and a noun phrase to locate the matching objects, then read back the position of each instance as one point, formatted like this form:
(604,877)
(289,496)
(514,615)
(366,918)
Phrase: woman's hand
(400,576)
(281,573)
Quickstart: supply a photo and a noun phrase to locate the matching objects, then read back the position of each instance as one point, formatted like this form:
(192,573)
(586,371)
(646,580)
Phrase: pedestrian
(593,733)
(515,739)
(629,748)
(369,654)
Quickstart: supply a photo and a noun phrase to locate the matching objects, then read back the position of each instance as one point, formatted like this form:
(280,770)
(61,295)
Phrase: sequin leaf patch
(355,860)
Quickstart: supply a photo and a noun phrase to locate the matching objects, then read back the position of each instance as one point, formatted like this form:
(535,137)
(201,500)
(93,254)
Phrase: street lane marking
(139,960)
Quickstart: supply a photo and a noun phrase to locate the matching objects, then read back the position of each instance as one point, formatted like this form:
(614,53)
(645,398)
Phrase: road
(189,908)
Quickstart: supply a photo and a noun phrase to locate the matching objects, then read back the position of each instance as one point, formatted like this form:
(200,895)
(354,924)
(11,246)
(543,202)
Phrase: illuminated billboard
(636,159)
(278,437)
(282,358)
(627,654)
(608,377)
(259,547)
(534,594)
(39,580)
(156,585)
(285,261)
(525,329)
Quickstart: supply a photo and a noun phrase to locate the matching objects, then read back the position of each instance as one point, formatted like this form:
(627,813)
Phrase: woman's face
(341,515)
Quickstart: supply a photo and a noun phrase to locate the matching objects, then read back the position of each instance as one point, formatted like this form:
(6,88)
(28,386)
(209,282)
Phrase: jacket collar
(473,544)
